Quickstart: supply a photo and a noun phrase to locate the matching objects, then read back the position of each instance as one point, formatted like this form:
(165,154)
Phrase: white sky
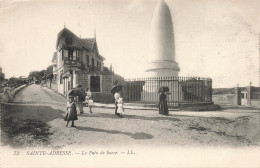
(216,39)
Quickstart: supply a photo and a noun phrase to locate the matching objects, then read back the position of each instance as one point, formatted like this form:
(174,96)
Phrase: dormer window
(70,54)
(68,40)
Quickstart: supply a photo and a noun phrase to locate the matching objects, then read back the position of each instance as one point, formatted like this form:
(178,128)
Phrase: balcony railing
(66,61)
(93,68)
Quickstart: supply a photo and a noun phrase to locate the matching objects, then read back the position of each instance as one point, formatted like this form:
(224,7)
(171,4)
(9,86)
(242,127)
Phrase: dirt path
(36,119)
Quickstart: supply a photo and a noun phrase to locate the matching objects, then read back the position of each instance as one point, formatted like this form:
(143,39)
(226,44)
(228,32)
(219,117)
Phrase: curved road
(36,94)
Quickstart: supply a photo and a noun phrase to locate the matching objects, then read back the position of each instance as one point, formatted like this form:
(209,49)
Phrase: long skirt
(71,115)
(163,108)
(120,109)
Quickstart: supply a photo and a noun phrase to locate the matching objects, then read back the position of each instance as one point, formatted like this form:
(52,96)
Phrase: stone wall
(82,79)
(227,99)
(255,103)
(52,86)
(255,92)
(105,95)
(107,84)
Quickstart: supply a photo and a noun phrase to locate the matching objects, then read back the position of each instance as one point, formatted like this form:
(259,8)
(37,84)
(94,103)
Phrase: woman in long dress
(71,114)
(163,107)
(117,97)
(89,100)
(120,105)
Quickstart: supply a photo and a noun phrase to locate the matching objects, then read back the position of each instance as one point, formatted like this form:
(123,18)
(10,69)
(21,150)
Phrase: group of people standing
(85,96)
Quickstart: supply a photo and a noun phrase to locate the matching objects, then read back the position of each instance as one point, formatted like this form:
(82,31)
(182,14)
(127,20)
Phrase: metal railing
(181,90)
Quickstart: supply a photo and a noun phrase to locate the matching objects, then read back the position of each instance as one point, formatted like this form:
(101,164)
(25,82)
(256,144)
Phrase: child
(120,106)
(71,111)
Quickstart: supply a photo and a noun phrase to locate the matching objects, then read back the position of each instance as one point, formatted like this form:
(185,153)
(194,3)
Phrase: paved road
(36,119)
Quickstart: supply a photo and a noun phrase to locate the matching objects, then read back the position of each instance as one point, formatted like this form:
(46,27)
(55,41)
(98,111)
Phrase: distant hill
(219,91)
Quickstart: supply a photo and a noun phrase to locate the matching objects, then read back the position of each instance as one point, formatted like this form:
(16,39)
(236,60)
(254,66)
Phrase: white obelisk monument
(162,50)
(161,55)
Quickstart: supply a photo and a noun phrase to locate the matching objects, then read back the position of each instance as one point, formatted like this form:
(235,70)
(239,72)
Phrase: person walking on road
(71,114)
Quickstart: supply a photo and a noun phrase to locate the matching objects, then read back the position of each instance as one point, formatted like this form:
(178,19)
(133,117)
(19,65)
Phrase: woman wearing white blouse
(89,100)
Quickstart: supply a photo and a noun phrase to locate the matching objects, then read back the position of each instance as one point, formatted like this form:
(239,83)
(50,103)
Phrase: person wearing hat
(163,107)
(71,114)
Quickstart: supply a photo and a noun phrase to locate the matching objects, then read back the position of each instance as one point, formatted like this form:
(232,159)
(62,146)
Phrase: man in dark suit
(81,98)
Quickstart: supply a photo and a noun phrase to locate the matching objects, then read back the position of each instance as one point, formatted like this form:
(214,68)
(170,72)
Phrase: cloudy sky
(216,39)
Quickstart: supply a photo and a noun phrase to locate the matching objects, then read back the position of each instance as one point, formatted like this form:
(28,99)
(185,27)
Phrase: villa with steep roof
(77,61)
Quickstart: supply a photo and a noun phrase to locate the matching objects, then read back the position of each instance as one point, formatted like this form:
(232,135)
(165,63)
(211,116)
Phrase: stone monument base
(162,69)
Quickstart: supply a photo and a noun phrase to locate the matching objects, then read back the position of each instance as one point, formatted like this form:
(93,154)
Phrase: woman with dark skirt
(163,107)
(71,114)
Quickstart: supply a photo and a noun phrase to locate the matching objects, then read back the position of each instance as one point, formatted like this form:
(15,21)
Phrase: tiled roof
(87,43)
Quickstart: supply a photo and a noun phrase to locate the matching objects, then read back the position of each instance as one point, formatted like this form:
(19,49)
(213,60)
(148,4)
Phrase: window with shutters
(95,83)
(93,62)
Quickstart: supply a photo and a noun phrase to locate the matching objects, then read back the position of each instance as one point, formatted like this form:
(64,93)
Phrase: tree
(15,81)
(2,75)
(49,73)
(36,75)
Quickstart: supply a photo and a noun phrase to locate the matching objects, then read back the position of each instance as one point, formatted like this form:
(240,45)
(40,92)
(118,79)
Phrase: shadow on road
(170,117)
(138,135)
(26,125)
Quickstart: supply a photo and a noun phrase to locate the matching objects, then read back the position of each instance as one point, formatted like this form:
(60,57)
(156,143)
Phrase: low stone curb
(16,90)
(12,93)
